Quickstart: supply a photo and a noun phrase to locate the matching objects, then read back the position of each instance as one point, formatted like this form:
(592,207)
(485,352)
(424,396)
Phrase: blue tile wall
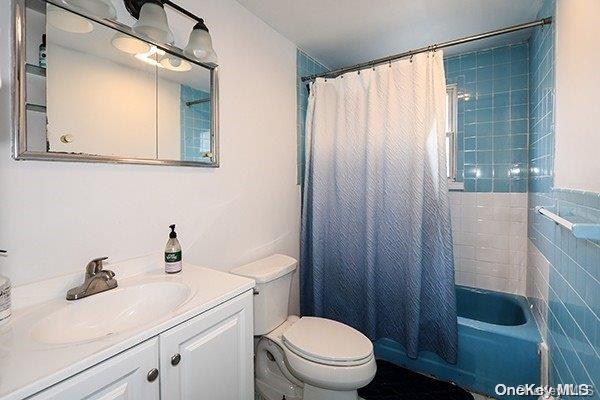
(305,65)
(573,328)
(195,124)
(493,117)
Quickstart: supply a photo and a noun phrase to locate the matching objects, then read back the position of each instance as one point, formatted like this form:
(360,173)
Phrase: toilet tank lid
(267,269)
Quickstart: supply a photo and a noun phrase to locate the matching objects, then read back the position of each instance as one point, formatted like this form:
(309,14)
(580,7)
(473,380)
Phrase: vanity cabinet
(123,377)
(209,356)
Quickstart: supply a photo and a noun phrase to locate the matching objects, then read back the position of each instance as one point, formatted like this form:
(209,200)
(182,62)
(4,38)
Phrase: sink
(110,312)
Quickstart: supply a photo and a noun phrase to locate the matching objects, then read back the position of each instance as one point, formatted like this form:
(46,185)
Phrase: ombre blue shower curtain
(376,248)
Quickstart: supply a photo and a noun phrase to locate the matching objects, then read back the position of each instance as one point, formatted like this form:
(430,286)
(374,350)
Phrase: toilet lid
(328,342)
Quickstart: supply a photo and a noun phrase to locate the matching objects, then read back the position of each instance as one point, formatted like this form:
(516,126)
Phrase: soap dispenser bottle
(173,260)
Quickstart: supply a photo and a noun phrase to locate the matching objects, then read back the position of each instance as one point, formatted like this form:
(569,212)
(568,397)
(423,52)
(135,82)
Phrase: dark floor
(396,383)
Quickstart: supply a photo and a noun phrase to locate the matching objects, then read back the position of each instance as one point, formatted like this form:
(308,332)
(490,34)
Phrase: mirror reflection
(104,93)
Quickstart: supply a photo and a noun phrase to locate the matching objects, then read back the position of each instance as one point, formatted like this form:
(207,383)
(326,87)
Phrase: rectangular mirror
(104,94)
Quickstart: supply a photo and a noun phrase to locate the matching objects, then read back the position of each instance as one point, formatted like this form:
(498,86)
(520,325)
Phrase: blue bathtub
(497,343)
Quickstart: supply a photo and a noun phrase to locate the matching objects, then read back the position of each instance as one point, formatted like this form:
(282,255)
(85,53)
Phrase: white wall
(489,232)
(577,95)
(108,108)
(54,217)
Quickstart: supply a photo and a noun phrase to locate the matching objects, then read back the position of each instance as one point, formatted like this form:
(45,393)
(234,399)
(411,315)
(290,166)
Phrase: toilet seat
(327,342)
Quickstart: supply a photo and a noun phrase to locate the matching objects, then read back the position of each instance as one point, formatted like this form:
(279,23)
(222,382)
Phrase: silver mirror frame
(18,93)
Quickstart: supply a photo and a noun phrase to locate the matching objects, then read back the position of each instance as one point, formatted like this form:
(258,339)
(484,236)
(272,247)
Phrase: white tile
(468,279)
(469,199)
(518,214)
(468,212)
(455,198)
(518,243)
(483,267)
(493,227)
(500,242)
(501,213)
(485,199)
(467,252)
(487,282)
(492,255)
(518,228)
(469,225)
(468,265)
(518,258)
(518,200)
(484,212)
(501,199)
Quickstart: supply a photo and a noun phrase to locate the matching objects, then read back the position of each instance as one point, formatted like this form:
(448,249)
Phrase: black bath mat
(396,383)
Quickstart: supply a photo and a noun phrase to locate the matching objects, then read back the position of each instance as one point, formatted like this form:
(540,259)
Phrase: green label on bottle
(173,257)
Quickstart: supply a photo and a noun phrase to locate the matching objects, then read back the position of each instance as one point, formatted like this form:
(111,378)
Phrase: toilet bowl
(302,358)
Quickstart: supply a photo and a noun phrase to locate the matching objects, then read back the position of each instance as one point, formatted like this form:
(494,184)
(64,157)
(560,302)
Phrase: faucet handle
(94,266)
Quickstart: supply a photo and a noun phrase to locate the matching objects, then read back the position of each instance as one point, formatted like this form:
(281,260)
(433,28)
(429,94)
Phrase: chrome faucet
(97,280)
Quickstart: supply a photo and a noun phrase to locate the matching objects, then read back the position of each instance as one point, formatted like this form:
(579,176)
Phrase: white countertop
(28,366)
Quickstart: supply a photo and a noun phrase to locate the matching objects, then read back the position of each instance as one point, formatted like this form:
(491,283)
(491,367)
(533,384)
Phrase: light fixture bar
(182,10)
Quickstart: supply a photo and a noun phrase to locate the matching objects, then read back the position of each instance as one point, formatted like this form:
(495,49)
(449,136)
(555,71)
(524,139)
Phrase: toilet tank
(273,276)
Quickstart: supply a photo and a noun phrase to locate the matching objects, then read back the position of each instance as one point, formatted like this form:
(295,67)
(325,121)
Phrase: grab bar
(579,230)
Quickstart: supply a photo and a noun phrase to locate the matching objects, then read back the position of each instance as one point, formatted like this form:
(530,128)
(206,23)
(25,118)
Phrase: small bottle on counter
(173,259)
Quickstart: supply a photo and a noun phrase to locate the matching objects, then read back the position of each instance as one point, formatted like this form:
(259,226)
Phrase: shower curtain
(376,248)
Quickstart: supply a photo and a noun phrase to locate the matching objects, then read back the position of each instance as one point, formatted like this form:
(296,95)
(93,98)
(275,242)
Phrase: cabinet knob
(152,375)
(175,359)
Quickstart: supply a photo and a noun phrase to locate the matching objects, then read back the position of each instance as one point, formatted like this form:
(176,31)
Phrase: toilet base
(316,393)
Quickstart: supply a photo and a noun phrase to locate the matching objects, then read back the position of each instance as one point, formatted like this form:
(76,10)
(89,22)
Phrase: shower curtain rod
(467,39)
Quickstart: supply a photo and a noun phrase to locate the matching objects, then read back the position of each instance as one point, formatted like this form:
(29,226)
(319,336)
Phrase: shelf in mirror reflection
(35,70)
(35,107)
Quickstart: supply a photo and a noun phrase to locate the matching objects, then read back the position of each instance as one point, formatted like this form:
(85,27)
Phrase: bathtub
(497,343)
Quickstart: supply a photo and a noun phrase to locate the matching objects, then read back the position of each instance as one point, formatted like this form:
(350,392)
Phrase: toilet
(302,358)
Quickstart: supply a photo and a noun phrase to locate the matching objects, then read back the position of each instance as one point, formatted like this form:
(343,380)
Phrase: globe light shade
(153,23)
(200,44)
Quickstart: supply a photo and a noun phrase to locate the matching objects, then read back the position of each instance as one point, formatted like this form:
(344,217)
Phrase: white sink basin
(110,312)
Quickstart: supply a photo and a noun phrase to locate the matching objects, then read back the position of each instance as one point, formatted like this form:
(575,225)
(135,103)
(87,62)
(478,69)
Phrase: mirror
(104,94)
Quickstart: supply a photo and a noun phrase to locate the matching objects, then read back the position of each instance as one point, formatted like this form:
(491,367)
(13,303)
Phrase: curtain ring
(358,72)
(411,57)
(390,63)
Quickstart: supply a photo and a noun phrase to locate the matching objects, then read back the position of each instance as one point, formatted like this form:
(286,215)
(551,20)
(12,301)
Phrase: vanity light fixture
(70,22)
(200,44)
(152,22)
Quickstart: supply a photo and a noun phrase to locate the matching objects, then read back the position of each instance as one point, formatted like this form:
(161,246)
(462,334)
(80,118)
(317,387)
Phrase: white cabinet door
(216,355)
(123,377)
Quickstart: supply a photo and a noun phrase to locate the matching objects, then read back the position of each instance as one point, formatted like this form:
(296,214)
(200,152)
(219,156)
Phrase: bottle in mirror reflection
(4,299)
